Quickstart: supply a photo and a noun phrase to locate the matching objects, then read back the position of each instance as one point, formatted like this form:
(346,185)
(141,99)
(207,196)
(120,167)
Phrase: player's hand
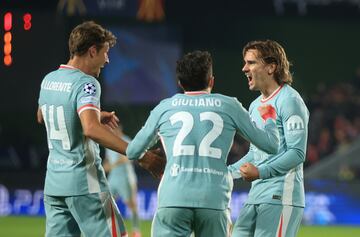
(109,119)
(154,163)
(249,172)
(267,111)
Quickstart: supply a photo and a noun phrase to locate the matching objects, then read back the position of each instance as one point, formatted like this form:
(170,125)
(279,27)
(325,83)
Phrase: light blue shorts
(93,214)
(183,221)
(268,220)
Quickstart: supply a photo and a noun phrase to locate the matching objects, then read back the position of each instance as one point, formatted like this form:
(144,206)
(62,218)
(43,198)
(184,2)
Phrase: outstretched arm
(100,133)
(266,139)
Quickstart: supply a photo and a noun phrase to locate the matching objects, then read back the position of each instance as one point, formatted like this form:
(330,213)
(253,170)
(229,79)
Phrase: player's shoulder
(164,104)
(227,100)
(290,101)
(82,78)
(290,95)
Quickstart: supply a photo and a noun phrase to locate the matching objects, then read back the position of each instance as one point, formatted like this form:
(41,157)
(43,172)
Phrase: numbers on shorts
(205,148)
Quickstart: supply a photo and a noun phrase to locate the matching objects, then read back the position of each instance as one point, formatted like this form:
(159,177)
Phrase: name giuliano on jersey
(74,164)
(281,175)
(197,130)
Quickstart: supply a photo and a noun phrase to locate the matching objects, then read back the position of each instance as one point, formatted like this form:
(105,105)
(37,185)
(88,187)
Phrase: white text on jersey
(205,102)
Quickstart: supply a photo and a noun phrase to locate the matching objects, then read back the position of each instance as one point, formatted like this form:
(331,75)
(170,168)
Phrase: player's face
(255,70)
(101,58)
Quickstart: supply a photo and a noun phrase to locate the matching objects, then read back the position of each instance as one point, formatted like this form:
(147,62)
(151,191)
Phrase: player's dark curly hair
(192,71)
(87,34)
(272,52)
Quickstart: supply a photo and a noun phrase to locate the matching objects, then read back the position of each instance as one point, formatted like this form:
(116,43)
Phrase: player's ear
(179,83)
(271,68)
(92,51)
(211,81)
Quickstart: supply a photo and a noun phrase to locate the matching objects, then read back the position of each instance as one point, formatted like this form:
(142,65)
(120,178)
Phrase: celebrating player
(276,199)
(76,193)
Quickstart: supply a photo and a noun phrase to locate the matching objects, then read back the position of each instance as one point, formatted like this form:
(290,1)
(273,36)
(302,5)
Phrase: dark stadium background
(321,40)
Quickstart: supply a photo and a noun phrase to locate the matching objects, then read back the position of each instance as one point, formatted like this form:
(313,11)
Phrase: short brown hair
(87,34)
(272,52)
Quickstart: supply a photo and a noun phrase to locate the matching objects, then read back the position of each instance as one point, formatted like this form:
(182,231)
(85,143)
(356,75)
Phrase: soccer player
(76,194)
(275,204)
(197,129)
(122,180)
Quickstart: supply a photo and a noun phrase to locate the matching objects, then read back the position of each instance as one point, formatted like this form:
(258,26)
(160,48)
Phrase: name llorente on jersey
(205,102)
(56,86)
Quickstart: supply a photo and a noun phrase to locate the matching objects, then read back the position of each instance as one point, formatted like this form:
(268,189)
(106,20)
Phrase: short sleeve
(88,94)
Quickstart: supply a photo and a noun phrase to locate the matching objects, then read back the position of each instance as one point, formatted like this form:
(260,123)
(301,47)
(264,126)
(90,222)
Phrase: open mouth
(249,78)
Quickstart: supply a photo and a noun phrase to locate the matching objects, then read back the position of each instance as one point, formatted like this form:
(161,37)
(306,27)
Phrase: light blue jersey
(74,164)
(197,130)
(281,175)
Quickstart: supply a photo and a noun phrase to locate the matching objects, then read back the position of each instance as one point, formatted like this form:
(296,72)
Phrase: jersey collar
(64,66)
(196,92)
(263,100)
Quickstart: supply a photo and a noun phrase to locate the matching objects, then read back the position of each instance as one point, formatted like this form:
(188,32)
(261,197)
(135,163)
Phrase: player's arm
(267,139)
(39,116)
(100,133)
(144,138)
(295,123)
(234,169)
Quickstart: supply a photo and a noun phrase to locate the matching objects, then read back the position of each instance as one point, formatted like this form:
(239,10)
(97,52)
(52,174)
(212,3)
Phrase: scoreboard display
(11,21)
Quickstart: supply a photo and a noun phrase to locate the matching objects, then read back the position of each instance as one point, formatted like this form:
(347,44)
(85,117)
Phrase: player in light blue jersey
(275,204)
(123,181)
(197,129)
(76,194)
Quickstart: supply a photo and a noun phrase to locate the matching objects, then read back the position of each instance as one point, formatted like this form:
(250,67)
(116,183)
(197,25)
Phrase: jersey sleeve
(234,169)
(295,118)
(266,140)
(145,137)
(88,95)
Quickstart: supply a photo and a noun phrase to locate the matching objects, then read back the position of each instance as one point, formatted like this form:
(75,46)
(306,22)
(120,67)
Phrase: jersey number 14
(61,132)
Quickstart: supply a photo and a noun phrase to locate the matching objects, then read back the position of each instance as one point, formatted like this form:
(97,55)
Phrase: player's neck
(81,64)
(269,88)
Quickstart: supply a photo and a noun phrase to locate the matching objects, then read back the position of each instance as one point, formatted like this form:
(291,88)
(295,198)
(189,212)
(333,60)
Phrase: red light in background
(7,21)
(27,21)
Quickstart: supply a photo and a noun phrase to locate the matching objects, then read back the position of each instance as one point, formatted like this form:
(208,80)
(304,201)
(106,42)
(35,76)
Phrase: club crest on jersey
(90,88)
(295,123)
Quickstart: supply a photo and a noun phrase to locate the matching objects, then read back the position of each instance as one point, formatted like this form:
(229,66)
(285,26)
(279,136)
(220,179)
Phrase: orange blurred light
(7,49)
(7,60)
(7,37)
(7,21)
